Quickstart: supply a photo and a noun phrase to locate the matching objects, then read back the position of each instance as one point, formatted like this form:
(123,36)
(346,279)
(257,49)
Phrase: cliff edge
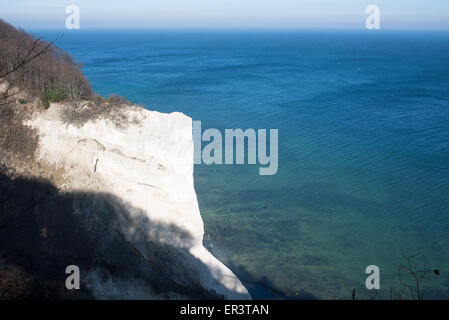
(111,192)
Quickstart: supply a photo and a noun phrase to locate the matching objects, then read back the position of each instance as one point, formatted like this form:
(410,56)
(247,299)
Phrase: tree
(24,56)
(33,65)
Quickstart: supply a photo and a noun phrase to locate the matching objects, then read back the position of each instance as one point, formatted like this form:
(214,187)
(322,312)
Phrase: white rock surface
(148,163)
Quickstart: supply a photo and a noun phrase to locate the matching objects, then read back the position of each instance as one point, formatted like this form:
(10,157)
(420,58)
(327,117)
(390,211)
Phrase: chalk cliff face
(115,196)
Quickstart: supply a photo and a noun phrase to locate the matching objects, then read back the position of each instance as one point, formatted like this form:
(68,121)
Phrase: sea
(363,148)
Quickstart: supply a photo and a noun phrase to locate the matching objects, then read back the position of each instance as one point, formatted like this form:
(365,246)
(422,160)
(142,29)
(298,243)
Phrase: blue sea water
(363,121)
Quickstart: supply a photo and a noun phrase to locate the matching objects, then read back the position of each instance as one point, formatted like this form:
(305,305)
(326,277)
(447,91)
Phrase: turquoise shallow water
(363,123)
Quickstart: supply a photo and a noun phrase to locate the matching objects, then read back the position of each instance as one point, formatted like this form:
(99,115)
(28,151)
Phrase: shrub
(55,95)
(45,103)
(52,96)
(116,99)
(98,100)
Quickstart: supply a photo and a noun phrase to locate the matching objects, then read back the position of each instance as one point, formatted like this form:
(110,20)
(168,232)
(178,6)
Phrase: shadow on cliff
(43,230)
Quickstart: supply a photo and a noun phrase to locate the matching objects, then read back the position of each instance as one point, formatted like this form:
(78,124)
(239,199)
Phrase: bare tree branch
(31,54)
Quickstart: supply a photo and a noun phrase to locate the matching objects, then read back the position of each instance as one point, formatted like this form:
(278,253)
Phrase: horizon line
(224,28)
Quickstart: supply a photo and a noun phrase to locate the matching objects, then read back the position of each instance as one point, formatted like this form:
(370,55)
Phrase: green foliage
(52,96)
(45,103)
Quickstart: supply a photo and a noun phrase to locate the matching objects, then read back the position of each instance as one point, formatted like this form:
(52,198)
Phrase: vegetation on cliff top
(39,67)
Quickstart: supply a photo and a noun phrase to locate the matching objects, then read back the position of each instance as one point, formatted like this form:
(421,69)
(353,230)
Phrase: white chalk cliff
(141,164)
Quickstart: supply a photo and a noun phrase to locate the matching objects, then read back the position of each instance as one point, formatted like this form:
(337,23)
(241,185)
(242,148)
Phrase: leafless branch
(32,53)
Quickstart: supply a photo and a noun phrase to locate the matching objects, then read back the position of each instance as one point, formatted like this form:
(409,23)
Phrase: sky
(321,14)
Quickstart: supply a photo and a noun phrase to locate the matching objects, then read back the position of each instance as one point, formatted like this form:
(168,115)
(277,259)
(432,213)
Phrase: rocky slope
(111,192)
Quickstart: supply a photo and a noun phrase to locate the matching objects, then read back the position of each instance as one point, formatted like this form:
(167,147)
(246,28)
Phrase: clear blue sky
(395,14)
